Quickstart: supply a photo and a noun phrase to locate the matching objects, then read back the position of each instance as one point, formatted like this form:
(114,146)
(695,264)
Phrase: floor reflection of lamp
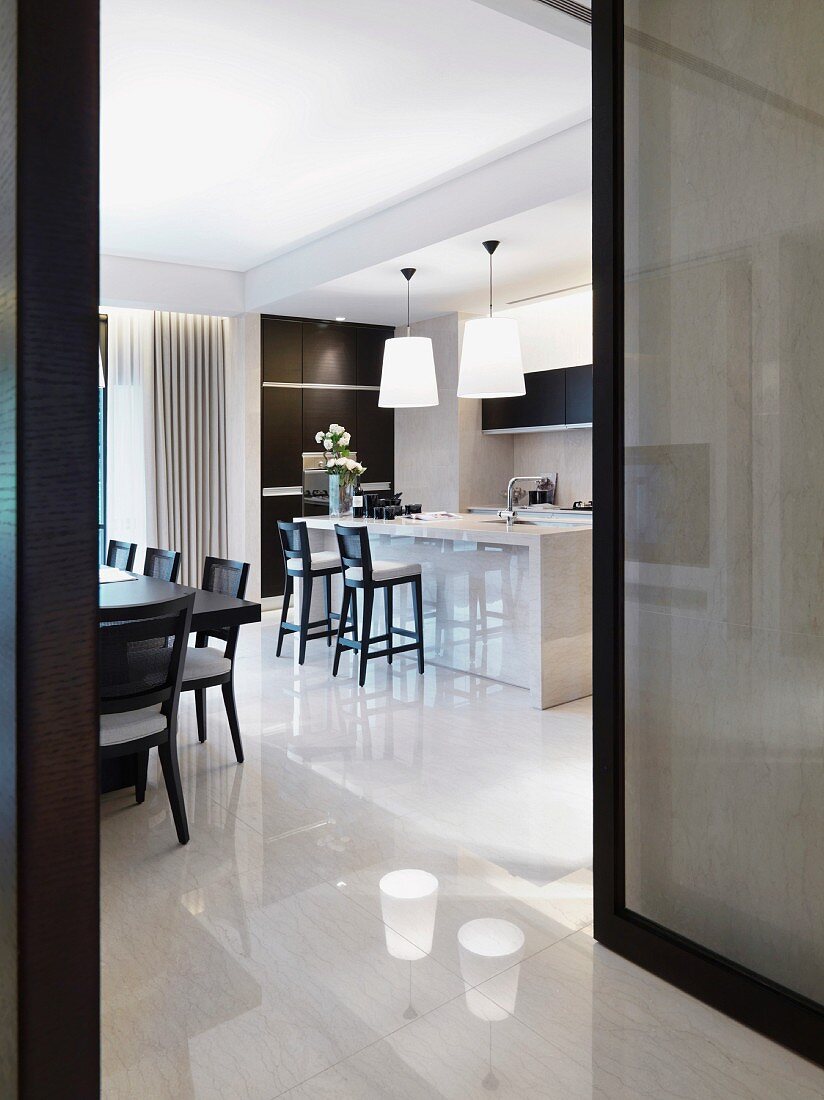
(409,900)
(490,951)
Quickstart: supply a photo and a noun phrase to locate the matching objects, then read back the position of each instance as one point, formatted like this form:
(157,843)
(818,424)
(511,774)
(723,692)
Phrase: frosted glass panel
(724,466)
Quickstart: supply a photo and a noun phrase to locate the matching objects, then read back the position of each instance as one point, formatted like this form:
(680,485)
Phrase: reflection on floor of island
(514,606)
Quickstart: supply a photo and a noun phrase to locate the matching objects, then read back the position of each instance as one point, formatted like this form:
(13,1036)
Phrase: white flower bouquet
(335,442)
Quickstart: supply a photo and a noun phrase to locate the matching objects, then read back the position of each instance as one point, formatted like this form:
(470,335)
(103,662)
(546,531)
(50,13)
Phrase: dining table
(211,611)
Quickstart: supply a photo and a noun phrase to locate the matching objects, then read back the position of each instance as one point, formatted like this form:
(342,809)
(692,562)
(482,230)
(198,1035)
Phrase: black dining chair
(361,573)
(141,671)
(162,564)
(205,666)
(120,555)
(300,562)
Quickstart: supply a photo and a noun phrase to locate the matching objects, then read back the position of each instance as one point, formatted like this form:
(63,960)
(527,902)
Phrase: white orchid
(345,439)
(330,461)
(350,464)
(319,437)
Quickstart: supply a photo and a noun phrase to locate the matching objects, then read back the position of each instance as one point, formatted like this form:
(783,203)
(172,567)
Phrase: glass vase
(340,496)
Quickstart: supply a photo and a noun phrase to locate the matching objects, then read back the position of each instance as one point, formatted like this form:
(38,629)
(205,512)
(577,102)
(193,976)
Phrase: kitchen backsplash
(568,452)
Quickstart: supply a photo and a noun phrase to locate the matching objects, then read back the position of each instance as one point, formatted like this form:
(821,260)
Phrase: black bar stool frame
(356,553)
(294,544)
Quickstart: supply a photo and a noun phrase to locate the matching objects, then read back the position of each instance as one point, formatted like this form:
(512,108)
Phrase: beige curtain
(187,465)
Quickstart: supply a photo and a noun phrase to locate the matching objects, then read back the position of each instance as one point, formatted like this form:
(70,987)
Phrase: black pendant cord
(490,246)
(407,273)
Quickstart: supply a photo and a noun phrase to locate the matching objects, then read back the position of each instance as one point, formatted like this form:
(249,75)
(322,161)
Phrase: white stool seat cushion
(386,570)
(323,559)
(200,663)
(116,729)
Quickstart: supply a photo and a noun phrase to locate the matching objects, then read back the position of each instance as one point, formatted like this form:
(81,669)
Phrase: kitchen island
(511,605)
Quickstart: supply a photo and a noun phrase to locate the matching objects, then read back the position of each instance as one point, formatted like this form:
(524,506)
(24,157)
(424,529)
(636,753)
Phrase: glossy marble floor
(256,961)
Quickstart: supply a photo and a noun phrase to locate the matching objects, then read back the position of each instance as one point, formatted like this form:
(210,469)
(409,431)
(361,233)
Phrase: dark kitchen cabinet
(542,406)
(374,437)
(281,442)
(369,354)
(281,350)
(329,354)
(579,395)
(324,407)
(272,576)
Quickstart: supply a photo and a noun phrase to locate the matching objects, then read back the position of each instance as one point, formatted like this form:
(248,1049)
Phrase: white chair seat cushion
(116,729)
(386,570)
(323,559)
(200,663)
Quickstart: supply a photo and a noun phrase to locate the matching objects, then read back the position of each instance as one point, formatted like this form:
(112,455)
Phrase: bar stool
(360,572)
(299,561)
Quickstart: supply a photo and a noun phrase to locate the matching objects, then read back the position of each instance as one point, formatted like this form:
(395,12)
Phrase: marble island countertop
(464,527)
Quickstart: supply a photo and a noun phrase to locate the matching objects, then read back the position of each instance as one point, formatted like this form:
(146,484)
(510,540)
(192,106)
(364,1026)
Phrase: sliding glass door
(709,437)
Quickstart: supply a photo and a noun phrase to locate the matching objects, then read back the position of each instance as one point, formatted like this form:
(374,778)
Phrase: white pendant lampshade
(408,377)
(491,363)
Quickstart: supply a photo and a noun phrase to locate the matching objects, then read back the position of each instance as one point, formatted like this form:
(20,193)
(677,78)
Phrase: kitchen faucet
(510,513)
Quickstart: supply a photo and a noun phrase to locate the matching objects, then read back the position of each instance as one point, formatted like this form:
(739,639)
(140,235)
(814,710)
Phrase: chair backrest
(225,576)
(162,564)
(229,578)
(294,543)
(353,545)
(120,555)
(141,655)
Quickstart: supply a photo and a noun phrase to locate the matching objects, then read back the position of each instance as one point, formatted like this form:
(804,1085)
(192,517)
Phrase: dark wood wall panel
(324,407)
(281,350)
(328,354)
(281,436)
(374,437)
(322,362)
(369,355)
(49,786)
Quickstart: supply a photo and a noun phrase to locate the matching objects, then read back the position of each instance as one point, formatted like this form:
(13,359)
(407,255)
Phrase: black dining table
(212,610)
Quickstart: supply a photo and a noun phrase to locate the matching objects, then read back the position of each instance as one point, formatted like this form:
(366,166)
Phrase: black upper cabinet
(553,399)
(374,437)
(543,405)
(280,437)
(324,407)
(579,395)
(370,343)
(329,354)
(281,350)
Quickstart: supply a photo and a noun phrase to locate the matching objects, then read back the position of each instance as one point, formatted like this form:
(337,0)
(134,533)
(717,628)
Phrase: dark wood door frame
(49,801)
(761,1004)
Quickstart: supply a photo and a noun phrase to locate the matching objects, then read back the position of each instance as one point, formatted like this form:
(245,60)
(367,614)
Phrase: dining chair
(361,573)
(299,562)
(162,564)
(141,671)
(205,666)
(120,555)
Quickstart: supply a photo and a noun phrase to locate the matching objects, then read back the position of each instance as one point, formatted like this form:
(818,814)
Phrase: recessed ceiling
(232,132)
(542,251)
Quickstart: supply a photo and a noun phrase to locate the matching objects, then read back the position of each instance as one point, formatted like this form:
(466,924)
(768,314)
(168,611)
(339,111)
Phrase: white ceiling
(233,132)
(543,250)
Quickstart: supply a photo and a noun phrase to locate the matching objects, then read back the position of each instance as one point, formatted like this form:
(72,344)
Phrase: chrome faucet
(510,513)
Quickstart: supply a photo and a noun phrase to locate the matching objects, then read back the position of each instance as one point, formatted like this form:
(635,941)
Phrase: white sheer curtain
(166,434)
(128,425)
(190,438)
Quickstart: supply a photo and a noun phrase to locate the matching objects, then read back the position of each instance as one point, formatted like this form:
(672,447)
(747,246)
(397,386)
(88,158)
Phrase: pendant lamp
(408,377)
(491,364)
